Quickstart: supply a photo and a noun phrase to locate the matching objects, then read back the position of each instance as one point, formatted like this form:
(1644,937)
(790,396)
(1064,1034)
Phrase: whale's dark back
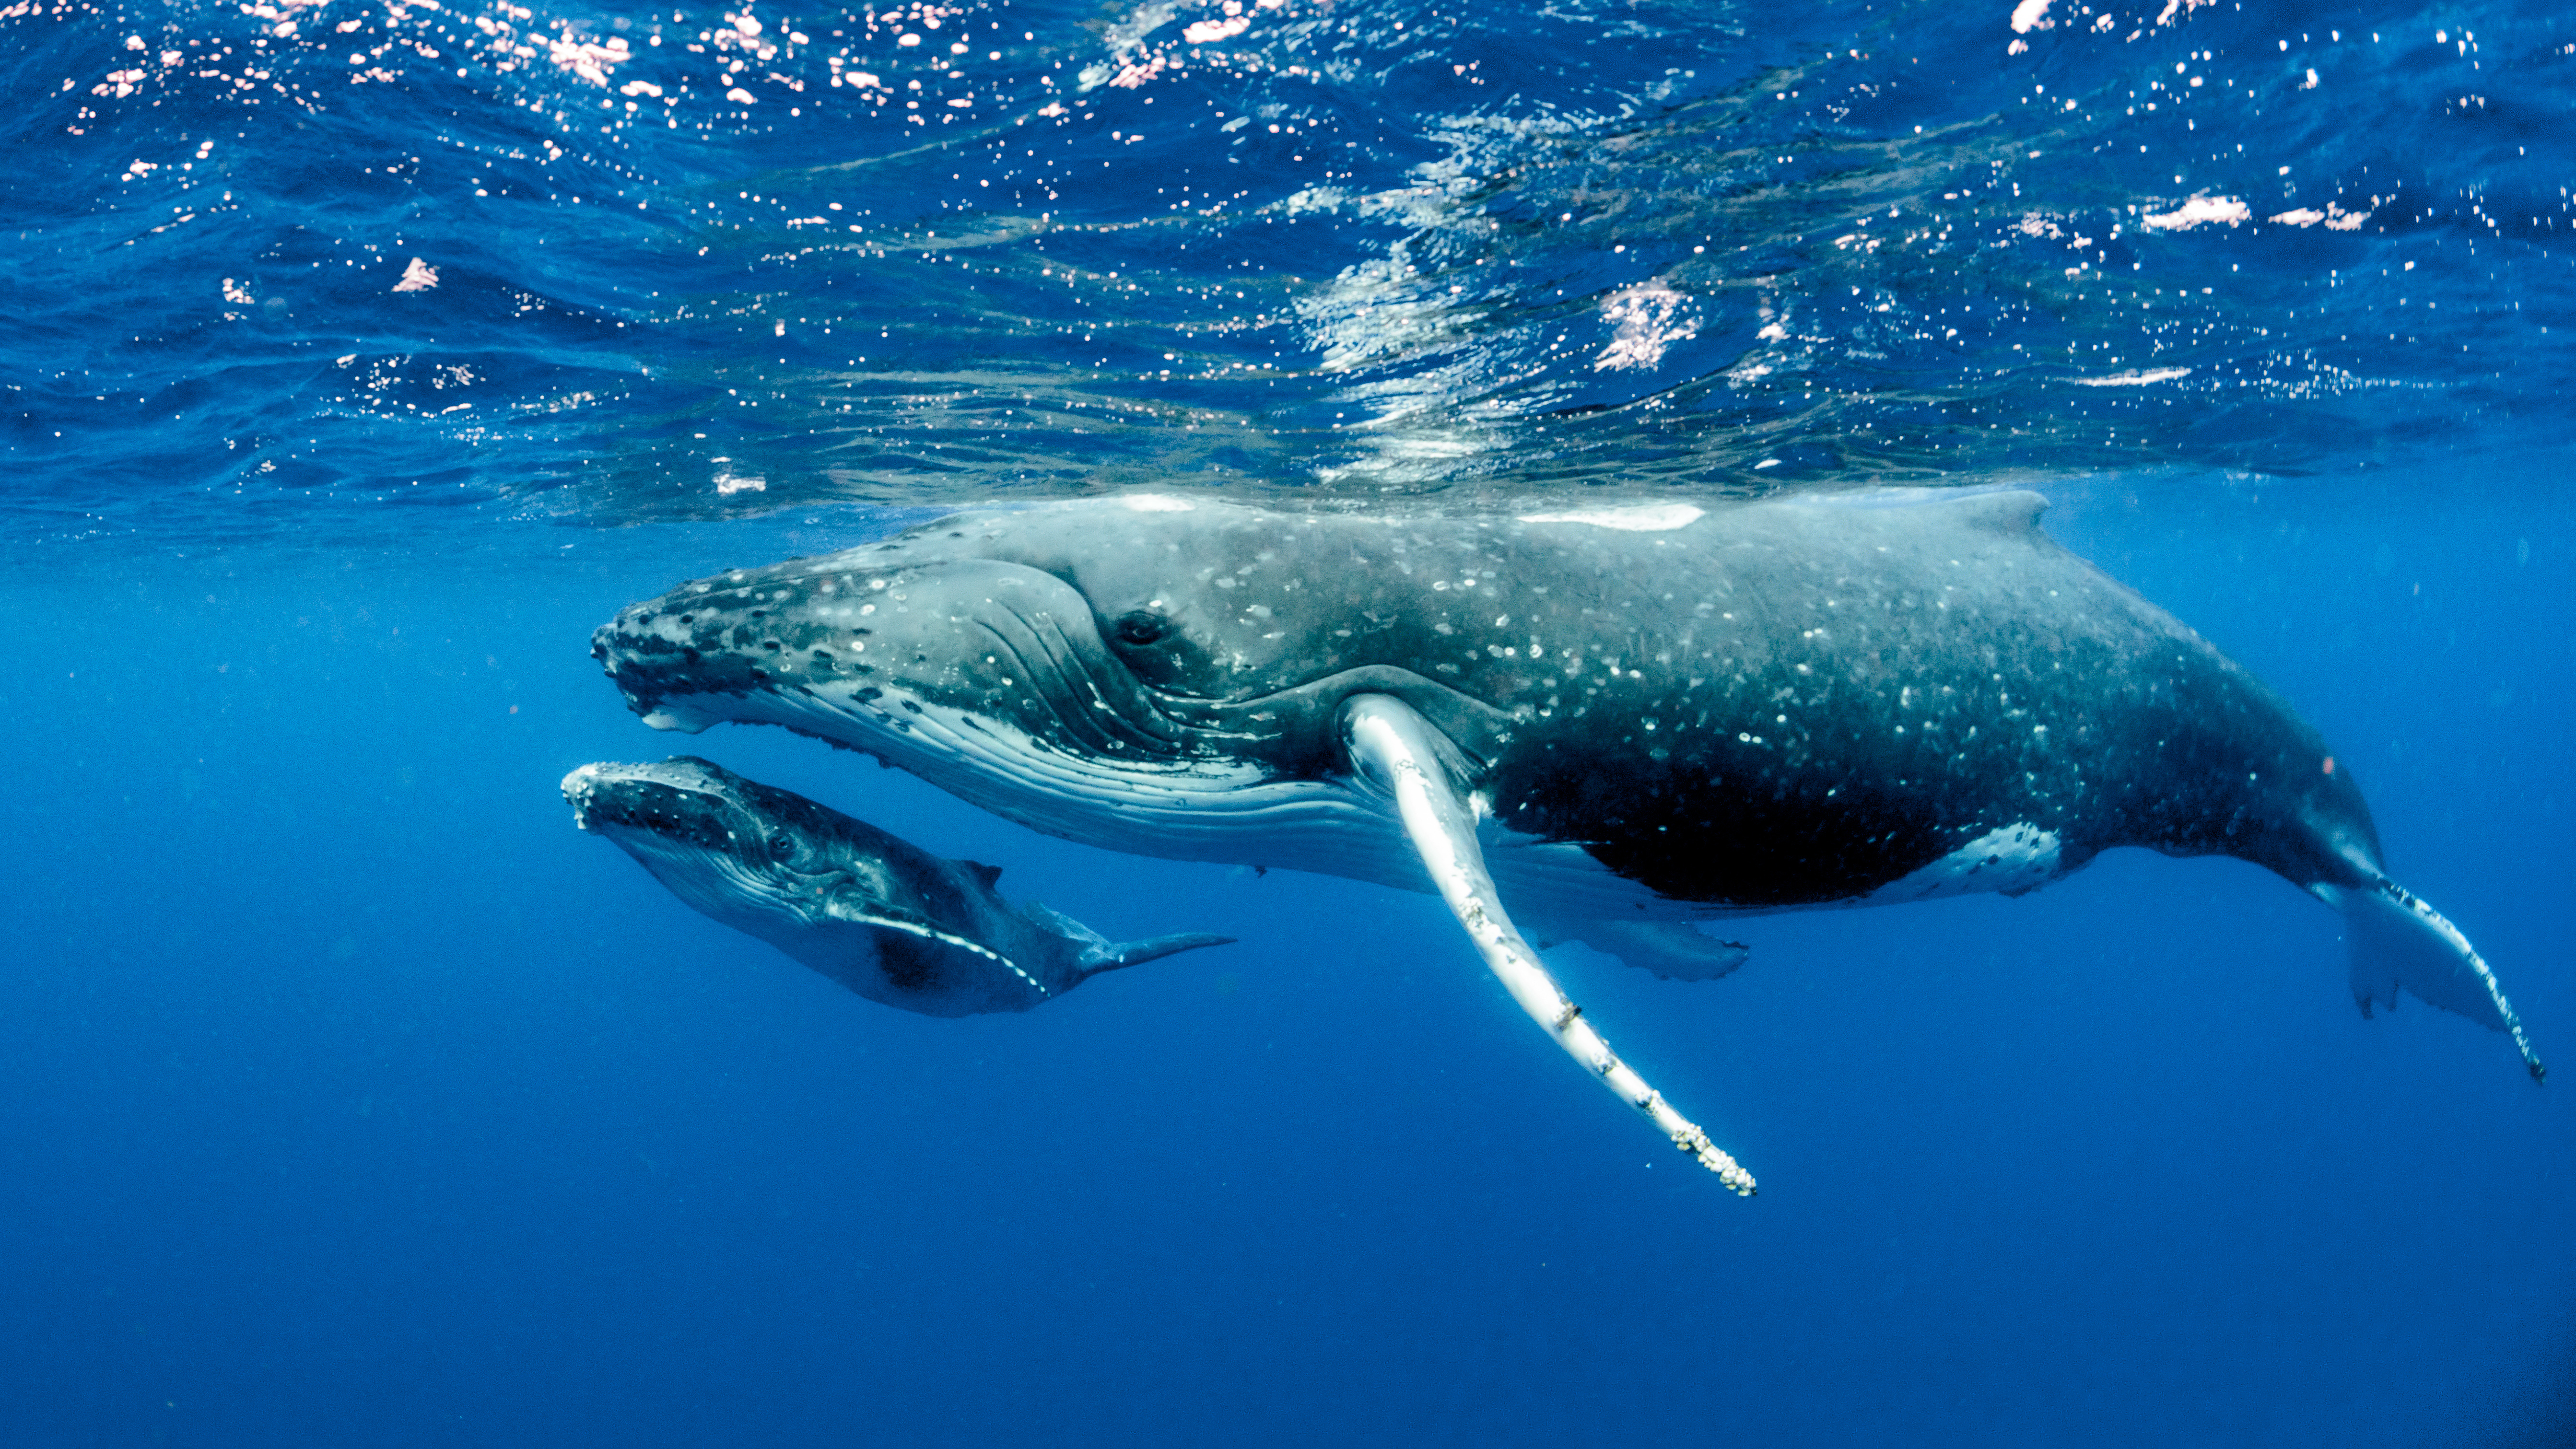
(1790,705)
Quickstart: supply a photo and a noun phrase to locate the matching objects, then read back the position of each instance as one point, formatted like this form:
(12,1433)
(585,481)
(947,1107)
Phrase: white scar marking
(960,942)
(1641,518)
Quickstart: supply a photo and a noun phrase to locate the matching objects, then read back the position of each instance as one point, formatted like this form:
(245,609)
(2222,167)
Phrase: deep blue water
(356,1098)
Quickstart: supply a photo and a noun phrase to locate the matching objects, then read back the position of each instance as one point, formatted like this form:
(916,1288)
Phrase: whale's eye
(1140,626)
(782,846)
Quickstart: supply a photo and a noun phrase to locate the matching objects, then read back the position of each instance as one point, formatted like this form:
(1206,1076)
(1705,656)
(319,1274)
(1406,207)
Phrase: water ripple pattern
(316,264)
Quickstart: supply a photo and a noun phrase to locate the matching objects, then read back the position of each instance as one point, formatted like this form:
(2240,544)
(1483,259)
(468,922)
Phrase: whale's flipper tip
(2397,940)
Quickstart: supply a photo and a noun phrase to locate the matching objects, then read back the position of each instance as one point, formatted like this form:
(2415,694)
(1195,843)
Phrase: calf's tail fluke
(2398,940)
(1155,948)
(1099,953)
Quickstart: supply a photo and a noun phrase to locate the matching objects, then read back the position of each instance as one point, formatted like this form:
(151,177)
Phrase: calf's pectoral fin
(2397,940)
(1397,752)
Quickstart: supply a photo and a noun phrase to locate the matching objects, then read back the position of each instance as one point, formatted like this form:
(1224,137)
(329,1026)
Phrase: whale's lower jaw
(1206,809)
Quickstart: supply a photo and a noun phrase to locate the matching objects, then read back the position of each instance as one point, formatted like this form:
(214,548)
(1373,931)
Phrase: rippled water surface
(288,263)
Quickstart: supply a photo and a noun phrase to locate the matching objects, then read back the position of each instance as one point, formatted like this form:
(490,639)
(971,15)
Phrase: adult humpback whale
(883,917)
(1619,720)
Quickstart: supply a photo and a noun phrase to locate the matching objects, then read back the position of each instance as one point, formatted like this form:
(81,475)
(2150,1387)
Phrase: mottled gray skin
(1780,704)
(884,918)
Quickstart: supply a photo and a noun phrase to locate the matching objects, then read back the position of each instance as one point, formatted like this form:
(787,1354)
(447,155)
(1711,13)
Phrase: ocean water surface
(360,358)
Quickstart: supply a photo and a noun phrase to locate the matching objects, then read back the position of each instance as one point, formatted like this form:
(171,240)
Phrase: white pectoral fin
(1673,950)
(1399,753)
(2398,940)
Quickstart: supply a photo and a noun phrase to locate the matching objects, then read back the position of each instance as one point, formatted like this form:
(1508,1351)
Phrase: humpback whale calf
(1607,723)
(882,917)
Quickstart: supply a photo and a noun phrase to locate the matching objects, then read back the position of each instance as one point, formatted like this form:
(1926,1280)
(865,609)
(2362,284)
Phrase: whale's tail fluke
(2397,940)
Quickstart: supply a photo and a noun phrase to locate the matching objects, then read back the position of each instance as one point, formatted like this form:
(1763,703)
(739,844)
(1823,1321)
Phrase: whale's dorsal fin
(1092,942)
(2012,513)
(988,874)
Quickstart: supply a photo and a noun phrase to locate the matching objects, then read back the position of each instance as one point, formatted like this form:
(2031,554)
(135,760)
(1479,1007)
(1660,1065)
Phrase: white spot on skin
(2199,211)
(2133,379)
(1157,503)
(2334,217)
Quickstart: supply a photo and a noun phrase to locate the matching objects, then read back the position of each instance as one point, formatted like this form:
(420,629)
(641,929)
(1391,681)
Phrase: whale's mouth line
(1072,688)
(1014,700)
(1090,682)
(1079,779)
(698,870)
(687,820)
(644,802)
(1071,787)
